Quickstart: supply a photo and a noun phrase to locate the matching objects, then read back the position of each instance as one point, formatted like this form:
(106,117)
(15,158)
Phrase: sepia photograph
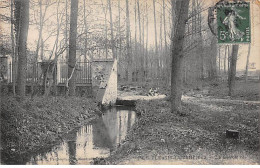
(129,82)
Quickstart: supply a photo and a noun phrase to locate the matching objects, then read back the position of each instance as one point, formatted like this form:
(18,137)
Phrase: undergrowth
(34,124)
(200,132)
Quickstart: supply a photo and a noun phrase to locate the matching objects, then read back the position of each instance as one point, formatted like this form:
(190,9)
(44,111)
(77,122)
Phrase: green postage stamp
(233,21)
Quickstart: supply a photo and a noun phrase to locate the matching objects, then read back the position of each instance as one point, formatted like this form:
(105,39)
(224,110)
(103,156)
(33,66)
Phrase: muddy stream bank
(96,139)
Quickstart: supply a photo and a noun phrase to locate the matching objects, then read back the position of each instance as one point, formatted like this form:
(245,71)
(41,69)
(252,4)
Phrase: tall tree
(232,76)
(135,53)
(105,13)
(177,53)
(160,46)
(22,56)
(219,60)
(200,45)
(39,42)
(72,47)
(225,59)
(143,53)
(213,58)
(112,32)
(166,74)
(228,58)
(164,26)
(17,7)
(140,39)
(85,30)
(66,28)
(146,45)
(119,30)
(41,24)
(155,38)
(13,48)
(247,62)
(129,66)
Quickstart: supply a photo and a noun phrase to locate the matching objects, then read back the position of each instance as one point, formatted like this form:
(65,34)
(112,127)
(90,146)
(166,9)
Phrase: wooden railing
(34,73)
(83,72)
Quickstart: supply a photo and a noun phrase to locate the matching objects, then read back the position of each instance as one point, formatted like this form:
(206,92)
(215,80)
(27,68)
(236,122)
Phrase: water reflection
(97,139)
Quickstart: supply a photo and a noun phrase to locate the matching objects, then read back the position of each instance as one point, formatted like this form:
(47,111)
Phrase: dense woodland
(189,101)
(147,38)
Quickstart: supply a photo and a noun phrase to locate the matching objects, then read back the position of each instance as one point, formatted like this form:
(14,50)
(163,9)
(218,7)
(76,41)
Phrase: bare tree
(129,66)
(140,39)
(135,53)
(177,53)
(66,26)
(155,36)
(22,56)
(13,49)
(232,76)
(225,59)
(119,31)
(85,29)
(213,58)
(72,47)
(247,62)
(219,60)
(146,47)
(165,46)
(105,13)
(112,32)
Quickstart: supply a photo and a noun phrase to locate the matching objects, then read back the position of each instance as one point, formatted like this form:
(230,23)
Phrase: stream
(98,138)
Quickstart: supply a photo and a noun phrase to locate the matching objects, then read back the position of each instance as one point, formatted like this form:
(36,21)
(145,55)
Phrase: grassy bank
(219,89)
(195,137)
(39,123)
(242,90)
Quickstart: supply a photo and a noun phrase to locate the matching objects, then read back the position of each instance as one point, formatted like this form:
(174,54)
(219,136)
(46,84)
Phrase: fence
(82,72)
(34,72)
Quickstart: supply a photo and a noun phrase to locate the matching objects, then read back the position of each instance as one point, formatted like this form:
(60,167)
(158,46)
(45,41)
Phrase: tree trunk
(135,53)
(213,59)
(232,76)
(219,68)
(112,32)
(161,50)
(13,51)
(177,54)
(247,62)
(219,58)
(106,47)
(85,31)
(140,42)
(200,48)
(66,27)
(39,45)
(166,73)
(119,56)
(143,54)
(155,39)
(129,66)
(228,47)
(42,48)
(72,47)
(146,47)
(225,59)
(17,7)
(22,57)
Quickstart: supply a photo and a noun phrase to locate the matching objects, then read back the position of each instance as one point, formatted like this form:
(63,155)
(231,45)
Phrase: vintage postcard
(129,82)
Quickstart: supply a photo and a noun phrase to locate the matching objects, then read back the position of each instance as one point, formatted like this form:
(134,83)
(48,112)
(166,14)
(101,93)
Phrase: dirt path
(212,99)
(133,96)
(199,132)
